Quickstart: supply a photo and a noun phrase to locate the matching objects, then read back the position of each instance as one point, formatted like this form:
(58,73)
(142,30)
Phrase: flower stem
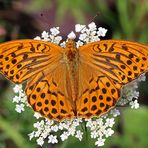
(86,135)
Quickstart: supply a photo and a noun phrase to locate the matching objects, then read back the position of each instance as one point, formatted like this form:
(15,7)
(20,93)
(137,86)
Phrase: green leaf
(143,35)
(135,126)
(141,9)
(122,7)
(12,133)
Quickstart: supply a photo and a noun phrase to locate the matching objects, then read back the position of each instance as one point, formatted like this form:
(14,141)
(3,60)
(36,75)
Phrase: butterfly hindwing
(99,98)
(98,94)
(46,94)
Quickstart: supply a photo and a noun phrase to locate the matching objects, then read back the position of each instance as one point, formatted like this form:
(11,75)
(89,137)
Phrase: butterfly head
(71,44)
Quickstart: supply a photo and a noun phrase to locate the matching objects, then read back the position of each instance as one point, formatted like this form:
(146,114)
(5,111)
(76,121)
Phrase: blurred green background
(124,19)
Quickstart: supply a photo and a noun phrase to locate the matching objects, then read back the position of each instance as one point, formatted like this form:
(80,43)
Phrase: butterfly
(63,83)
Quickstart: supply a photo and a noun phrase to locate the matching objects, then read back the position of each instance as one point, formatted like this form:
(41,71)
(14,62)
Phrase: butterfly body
(71,57)
(73,82)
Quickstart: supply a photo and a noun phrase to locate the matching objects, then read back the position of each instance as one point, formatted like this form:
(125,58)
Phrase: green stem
(86,137)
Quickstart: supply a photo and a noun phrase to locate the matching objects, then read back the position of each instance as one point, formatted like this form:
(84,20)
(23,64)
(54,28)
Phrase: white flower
(19,108)
(89,122)
(31,135)
(54,128)
(24,99)
(63,44)
(37,115)
(79,135)
(40,141)
(88,32)
(92,26)
(45,35)
(134,104)
(79,43)
(115,112)
(101,31)
(99,122)
(71,35)
(94,134)
(37,38)
(17,88)
(72,130)
(109,122)
(122,101)
(83,37)
(142,77)
(49,122)
(37,133)
(79,28)
(94,125)
(45,133)
(52,139)
(61,127)
(52,37)
(55,31)
(101,131)
(108,132)
(100,142)
(135,94)
(93,33)
(64,136)
(57,39)
(38,124)
(16,99)
(95,38)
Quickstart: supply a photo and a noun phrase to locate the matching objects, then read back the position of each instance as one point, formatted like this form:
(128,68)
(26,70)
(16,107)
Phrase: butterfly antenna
(97,14)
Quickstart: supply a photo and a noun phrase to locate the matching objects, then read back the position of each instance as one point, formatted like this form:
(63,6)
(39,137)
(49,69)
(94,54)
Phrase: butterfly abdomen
(71,58)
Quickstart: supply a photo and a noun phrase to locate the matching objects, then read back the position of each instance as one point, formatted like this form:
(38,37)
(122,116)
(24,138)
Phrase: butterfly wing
(46,93)
(19,60)
(40,63)
(105,67)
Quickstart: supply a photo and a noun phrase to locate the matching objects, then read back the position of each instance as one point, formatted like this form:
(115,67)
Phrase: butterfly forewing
(19,60)
(46,94)
(107,66)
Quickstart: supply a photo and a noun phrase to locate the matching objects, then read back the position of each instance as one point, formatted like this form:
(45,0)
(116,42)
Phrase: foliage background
(124,19)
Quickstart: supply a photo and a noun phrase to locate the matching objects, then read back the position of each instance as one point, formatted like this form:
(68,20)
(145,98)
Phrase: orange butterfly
(73,82)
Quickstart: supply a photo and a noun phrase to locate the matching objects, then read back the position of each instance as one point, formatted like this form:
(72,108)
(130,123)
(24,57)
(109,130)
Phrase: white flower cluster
(46,128)
(52,37)
(99,127)
(20,99)
(130,94)
(90,34)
